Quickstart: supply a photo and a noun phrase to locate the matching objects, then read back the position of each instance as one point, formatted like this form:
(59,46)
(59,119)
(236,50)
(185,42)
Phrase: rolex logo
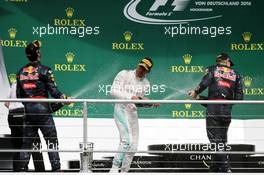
(69,56)
(247,45)
(12,42)
(127,45)
(69,67)
(69,12)
(12,78)
(247,36)
(12,33)
(247,81)
(188,106)
(128,36)
(69,112)
(187,58)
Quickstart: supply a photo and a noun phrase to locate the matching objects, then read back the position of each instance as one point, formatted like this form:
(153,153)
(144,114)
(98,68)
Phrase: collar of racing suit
(34,62)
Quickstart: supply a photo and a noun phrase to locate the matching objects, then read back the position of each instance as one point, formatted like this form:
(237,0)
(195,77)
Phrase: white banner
(4,86)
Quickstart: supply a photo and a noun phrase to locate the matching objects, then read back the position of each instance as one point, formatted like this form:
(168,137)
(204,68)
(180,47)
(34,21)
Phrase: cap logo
(36,43)
(147,62)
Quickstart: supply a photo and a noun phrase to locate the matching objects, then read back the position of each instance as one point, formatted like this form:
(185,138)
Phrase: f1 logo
(179,5)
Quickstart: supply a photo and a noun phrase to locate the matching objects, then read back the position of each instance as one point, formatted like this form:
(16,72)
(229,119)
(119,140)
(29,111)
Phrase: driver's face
(141,71)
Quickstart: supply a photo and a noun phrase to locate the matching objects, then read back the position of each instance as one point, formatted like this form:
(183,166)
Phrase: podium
(183,162)
(6,158)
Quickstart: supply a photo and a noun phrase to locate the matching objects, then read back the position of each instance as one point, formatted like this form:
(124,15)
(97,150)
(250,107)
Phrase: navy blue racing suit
(223,83)
(35,80)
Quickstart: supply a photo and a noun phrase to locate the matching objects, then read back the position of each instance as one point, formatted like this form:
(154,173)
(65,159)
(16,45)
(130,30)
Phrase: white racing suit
(126,85)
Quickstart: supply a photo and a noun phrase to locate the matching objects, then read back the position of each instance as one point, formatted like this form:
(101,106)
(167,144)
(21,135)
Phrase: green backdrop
(87,43)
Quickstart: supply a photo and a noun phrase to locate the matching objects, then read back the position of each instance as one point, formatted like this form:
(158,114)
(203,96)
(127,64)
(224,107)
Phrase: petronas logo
(12,33)
(69,12)
(187,58)
(247,36)
(128,36)
(247,81)
(12,78)
(70,57)
(188,106)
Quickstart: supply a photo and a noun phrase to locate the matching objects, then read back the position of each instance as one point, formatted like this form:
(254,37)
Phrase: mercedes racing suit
(126,85)
(223,84)
(35,80)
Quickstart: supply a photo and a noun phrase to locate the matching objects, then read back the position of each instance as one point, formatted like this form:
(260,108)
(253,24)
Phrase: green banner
(87,43)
